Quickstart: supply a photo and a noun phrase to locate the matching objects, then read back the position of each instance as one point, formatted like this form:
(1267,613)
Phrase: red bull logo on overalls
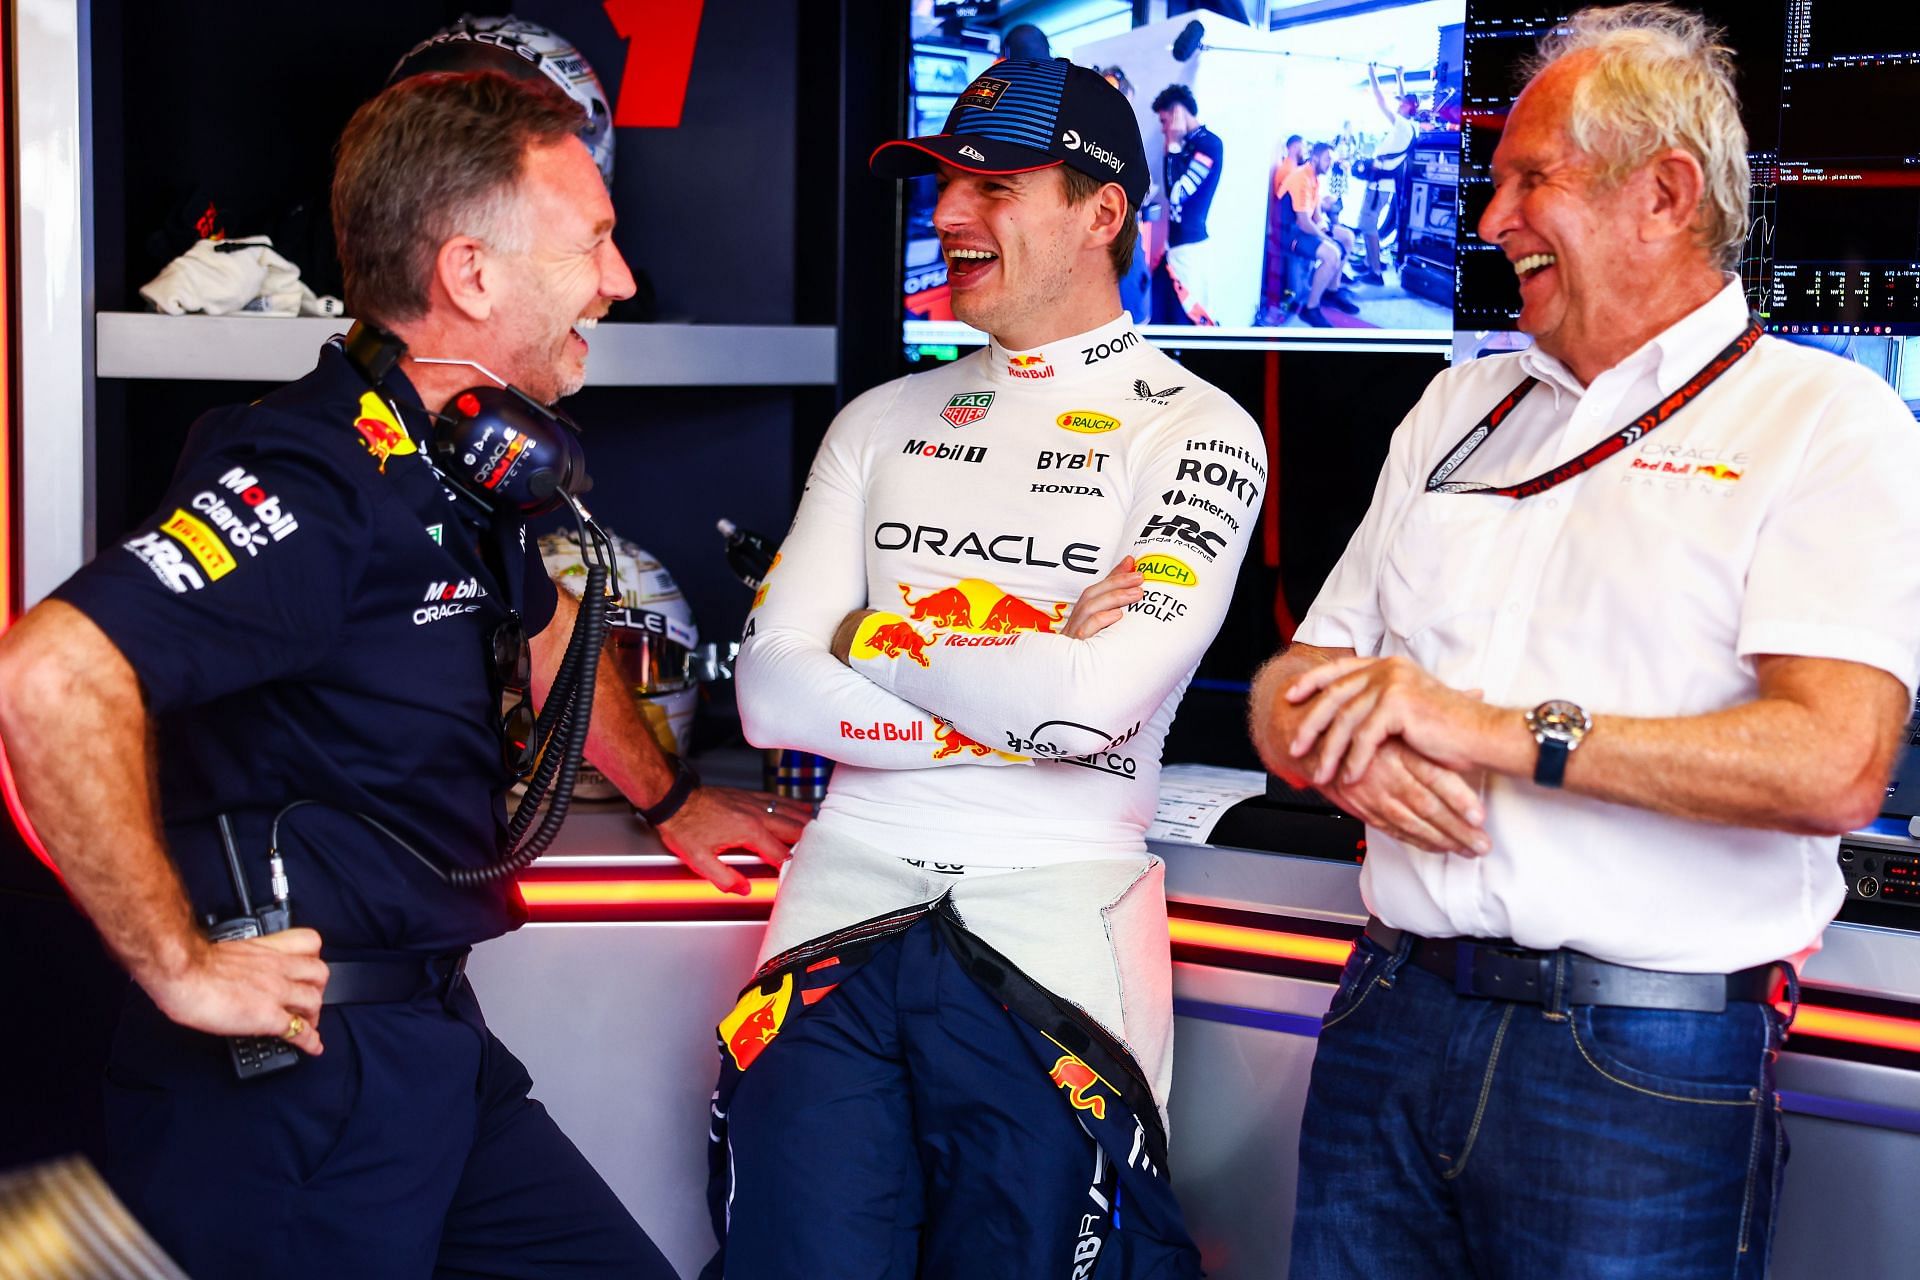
(755,1021)
(1079,1079)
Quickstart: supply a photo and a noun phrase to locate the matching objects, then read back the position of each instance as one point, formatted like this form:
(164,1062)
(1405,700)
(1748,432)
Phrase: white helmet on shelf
(652,640)
(526,50)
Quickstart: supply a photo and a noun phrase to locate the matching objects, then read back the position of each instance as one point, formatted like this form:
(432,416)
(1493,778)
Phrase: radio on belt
(254,1055)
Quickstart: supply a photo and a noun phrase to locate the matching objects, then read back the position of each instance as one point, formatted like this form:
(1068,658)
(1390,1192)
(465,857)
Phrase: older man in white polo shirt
(1627,635)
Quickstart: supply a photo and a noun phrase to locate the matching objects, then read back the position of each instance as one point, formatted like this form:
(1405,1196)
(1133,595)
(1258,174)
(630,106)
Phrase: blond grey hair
(1661,78)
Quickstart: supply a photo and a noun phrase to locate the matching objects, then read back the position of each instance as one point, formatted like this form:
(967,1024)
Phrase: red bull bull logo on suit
(380,431)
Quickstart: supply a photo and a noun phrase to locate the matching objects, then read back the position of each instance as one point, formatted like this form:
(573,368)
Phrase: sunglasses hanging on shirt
(502,449)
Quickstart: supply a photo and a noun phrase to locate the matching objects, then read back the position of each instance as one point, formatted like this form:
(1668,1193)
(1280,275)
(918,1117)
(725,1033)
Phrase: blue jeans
(1451,1136)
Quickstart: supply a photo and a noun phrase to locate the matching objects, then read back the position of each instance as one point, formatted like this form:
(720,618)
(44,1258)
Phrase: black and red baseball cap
(1019,116)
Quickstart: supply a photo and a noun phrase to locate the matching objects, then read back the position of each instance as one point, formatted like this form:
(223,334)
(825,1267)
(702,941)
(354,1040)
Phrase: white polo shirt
(1779,513)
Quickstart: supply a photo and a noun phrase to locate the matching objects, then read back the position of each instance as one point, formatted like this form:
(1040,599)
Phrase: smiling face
(1571,238)
(564,281)
(1018,260)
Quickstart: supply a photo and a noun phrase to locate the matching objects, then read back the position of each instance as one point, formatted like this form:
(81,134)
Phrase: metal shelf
(279,349)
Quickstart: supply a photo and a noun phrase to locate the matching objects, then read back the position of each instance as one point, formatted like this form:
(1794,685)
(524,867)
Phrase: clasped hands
(1391,745)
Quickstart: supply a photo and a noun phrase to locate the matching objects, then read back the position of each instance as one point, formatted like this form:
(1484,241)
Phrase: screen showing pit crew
(1304,171)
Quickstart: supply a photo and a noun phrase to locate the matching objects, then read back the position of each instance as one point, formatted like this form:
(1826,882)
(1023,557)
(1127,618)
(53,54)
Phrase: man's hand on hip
(249,987)
(715,820)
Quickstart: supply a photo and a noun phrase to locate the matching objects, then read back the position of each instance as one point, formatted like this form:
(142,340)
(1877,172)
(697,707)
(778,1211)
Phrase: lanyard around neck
(1640,427)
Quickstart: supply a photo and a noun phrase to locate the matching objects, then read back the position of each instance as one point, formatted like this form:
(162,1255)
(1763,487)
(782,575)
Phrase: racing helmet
(651,637)
(528,51)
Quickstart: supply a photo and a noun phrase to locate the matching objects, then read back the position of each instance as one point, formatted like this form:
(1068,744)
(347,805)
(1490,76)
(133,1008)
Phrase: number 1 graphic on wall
(660,36)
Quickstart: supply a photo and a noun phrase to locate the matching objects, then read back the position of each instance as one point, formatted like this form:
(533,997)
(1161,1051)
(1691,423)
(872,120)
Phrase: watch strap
(1550,766)
(685,783)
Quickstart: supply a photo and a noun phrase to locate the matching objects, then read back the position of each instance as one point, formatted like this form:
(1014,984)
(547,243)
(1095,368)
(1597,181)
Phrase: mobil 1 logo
(946,452)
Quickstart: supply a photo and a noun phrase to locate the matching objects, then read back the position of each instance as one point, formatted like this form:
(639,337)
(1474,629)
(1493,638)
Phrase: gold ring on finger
(296,1027)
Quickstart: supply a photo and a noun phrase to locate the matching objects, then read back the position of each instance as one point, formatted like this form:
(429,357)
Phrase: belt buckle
(455,974)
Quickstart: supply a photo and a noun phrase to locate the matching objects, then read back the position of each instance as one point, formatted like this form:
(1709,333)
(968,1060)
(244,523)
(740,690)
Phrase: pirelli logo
(201,542)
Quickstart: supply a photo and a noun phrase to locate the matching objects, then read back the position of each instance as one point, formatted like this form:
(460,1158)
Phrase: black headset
(495,444)
(503,449)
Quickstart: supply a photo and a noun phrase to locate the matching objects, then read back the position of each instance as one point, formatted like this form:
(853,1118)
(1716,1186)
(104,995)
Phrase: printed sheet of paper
(1193,796)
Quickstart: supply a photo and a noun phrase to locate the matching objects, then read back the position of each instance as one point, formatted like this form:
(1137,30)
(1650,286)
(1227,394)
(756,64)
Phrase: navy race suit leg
(898,1101)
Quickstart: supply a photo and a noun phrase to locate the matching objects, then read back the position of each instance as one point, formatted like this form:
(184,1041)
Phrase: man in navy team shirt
(312,615)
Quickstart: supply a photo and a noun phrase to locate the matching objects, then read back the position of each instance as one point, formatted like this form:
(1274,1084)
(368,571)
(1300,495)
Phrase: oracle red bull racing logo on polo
(380,431)
(967,408)
(1033,366)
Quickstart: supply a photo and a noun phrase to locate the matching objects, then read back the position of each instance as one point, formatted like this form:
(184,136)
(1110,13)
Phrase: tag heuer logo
(984,93)
(971,154)
(965,410)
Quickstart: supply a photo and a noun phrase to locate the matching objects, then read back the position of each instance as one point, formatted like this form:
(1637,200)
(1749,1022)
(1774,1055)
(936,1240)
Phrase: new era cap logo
(971,154)
(984,93)
(1070,140)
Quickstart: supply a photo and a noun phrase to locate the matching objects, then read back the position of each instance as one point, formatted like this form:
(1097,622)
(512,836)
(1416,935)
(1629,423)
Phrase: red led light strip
(9,542)
(550,897)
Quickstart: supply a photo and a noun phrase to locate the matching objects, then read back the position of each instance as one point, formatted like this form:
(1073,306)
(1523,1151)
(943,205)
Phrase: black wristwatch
(685,782)
(1558,726)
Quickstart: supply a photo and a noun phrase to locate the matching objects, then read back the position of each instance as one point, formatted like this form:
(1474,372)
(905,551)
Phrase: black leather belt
(396,978)
(1495,969)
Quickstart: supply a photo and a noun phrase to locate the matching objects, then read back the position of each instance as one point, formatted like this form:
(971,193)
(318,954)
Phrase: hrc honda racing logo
(448,600)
